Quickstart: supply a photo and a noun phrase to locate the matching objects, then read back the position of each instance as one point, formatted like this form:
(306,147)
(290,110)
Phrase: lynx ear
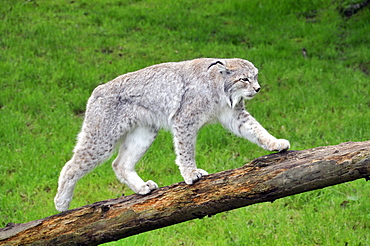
(221,67)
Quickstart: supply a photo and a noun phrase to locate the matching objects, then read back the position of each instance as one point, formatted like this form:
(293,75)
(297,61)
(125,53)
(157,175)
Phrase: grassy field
(54,53)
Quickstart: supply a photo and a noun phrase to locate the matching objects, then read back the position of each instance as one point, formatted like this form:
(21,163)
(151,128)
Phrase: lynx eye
(245,79)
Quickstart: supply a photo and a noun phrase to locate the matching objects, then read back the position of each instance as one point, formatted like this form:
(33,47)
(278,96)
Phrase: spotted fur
(127,112)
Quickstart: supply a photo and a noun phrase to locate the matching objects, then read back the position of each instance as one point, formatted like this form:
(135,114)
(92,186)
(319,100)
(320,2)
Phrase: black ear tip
(215,63)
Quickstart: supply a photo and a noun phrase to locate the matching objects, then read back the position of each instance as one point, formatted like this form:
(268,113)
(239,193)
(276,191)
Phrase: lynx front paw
(60,204)
(193,175)
(147,187)
(278,145)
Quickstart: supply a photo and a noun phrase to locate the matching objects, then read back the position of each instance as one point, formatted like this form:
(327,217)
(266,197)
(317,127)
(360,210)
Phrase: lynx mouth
(248,97)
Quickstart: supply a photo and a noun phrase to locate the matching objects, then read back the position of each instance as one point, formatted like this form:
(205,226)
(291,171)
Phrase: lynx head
(239,79)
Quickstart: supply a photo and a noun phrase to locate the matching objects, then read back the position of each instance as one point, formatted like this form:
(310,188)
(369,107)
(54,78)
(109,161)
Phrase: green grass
(54,53)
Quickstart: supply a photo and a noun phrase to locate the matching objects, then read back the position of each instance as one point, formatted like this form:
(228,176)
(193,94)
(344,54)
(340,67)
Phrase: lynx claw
(194,175)
(151,184)
(280,145)
(61,205)
(147,187)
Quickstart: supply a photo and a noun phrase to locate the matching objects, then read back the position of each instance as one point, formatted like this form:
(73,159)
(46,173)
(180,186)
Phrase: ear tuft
(221,67)
(216,63)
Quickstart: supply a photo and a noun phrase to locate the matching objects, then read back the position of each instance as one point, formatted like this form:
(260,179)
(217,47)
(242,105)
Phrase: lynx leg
(242,124)
(132,149)
(87,156)
(184,141)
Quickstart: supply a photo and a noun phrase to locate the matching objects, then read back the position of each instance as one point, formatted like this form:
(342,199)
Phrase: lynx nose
(257,89)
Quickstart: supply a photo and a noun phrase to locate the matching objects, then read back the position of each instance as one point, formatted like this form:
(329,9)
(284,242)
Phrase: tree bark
(266,178)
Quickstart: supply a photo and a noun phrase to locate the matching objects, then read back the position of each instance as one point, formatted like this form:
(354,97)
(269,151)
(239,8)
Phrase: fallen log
(266,178)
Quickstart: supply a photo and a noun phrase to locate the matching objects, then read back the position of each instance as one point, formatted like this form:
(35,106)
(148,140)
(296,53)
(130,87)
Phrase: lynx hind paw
(151,184)
(280,145)
(194,175)
(147,187)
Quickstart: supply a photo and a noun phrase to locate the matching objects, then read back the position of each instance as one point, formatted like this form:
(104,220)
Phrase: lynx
(127,112)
